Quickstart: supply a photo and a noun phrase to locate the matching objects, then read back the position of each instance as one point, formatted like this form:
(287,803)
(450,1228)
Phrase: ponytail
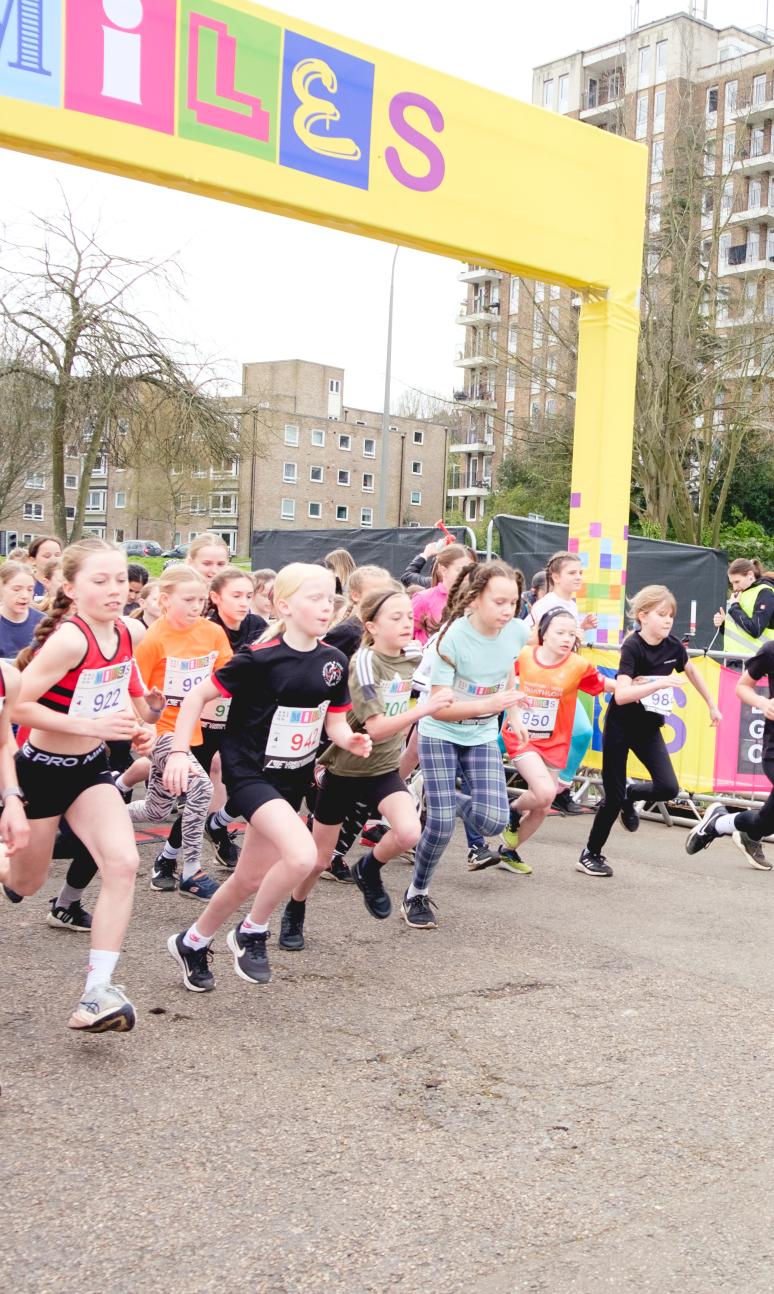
(61,607)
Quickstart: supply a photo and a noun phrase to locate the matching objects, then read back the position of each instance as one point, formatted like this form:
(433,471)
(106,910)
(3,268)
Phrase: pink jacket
(428,608)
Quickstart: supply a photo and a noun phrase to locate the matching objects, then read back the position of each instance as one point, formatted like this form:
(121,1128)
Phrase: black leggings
(642,736)
(757,823)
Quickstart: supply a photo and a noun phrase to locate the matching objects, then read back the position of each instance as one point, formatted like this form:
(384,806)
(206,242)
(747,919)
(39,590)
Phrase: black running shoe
(292,928)
(11,895)
(71,917)
(250,958)
(630,818)
(226,850)
(193,962)
(338,871)
(704,832)
(368,880)
(418,912)
(564,803)
(164,874)
(593,864)
(481,857)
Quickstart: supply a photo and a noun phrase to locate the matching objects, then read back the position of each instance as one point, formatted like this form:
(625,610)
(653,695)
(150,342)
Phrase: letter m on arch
(29,30)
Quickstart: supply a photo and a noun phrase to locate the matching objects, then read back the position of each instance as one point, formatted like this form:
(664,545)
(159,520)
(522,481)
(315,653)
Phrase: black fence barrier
(693,574)
(393,548)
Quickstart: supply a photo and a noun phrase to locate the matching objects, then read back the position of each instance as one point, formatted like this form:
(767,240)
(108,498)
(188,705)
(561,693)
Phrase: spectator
(342,563)
(534,593)
(413,572)
(138,578)
(40,550)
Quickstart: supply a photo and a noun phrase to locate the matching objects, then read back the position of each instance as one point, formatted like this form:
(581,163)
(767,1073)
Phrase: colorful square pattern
(604,567)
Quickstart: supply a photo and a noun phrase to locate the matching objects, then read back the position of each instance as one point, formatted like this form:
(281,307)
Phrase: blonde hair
(447,557)
(263,577)
(178,575)
(359,580)
(649,598)
(72,559)
(342,563)
(289,580)
(18,555)
(9,571)
(207,540)
(142,598)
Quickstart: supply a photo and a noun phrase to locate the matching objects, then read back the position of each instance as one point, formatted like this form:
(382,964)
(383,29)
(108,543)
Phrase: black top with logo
(251,628)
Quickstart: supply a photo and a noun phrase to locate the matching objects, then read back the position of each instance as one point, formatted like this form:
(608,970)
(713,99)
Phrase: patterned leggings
(485,807)
(157,805)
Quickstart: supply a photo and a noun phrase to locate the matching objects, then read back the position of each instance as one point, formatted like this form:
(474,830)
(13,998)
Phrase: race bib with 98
(101,691)
(661,702)
(294,736)
(215,713)
(183,675)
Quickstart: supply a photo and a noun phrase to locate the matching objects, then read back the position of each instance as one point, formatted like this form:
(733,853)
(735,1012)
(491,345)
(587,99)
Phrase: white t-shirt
(551,600)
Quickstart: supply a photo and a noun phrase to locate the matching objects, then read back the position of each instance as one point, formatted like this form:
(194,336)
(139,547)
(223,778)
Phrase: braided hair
(62,606)
(469,585)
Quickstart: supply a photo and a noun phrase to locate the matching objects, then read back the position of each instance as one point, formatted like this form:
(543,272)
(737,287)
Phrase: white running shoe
(103,1009)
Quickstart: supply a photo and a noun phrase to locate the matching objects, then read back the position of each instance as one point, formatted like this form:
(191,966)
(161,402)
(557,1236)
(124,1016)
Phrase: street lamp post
(384,470)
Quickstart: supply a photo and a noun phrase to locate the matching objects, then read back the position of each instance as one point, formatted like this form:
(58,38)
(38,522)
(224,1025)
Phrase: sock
(121,784)
(514,818)
(67,895)
(297,905)
(220,819)
(100,968)
(724,826)
(190,868)
(169,851)
(412,891)
(194,939)
(249,927)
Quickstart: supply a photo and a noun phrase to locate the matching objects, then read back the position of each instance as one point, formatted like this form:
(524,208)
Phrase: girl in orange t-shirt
(551,675)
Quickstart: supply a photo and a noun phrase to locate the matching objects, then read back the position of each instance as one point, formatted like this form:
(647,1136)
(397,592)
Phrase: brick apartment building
(308,461)
(518,368)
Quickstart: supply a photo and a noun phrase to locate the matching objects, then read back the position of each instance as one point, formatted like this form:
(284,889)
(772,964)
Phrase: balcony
(741,260)
(756,107)
(479,274)
(603,102)
(478,314)
(744,215)
(481,397)
(754,161)
(475,446)
(477,489)
(480,359)
(605,55)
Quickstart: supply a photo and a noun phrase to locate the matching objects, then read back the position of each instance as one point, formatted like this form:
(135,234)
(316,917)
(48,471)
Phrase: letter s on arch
(437,165)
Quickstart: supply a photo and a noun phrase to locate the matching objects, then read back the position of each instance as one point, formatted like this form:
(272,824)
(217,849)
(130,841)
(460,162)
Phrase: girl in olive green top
(380,675)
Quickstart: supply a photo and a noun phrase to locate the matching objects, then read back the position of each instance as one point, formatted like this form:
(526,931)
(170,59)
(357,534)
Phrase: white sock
(121,784)
(249,927)
(68,895)
(190,869)
(412,891)
(221,819)
(169,851)
(100,968)
(725,826)
(194,938)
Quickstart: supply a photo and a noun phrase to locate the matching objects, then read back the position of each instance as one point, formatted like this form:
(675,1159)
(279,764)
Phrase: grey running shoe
(251,961)
(103,1009)
(704,832)
(752,850)
(481,857)
(418,912)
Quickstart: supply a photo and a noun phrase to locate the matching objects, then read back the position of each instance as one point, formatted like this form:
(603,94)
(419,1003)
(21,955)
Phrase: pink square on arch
(595,529)
(122,73)
(572,545)
(575,502)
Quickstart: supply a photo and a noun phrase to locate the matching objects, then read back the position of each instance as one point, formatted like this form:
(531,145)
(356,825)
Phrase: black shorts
(51,783)
(337,796)
(249,794)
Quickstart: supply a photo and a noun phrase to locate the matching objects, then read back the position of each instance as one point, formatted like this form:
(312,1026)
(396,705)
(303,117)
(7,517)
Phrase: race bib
(101,691)
(396,695)
(182,675)
(540,718)
(294,735)
(464,691)
(661,702)
(215,713)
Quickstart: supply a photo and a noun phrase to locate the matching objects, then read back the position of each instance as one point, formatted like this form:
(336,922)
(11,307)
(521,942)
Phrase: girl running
(40,550)
(176,653)
(18,618)
(474,655)
(380,682)
(74,696)
(208,554)
(429,605)
(550,675)
(149,610)
(651,659)
(286,688)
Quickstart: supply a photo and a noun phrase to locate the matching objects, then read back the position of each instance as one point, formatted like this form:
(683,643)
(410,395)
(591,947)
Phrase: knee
(302,862)
(440,826)
(407,835)
(545,798)
(489,820)
(120,869)
(669,790)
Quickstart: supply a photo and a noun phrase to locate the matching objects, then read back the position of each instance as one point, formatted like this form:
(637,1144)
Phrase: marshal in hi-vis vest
(736,639)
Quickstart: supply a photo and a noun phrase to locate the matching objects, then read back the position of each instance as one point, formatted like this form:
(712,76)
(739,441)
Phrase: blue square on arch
(327,102)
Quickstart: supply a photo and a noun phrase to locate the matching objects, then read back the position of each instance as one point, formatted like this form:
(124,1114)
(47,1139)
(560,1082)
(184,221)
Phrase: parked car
(178,553)
(141,548)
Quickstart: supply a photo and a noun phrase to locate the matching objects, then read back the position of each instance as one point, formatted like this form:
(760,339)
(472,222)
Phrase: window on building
(70,481)
(290,472)
(100,467)
(540,293)
(70,513)
(197,505)
(652,262)
(508,432)
(754,195)
(724,247)
(35,481)
(288,510)
(317,437)
(96,500)
(72,451)
(730,96)
(510,383)
(553,325)
(657,160)
(759,89)
(291,434)
(334,386)
(120,498)
(416,498)
(707,207)
(34,512)
(223,504)
(342,512)
(659,111)
(416,468)
(709,157)
(661,59)
(712,101)
(771,191)
(729,148)
(369,447)
(316,474)
(641,128)
(756,142)
(368,481)
(654,216)
(564,93)
(315,511)
(342,477)
(644,65)
(418,437)
(548,93)
(345,442)
(366,516)
(727,199)
(514,294)
(118,536)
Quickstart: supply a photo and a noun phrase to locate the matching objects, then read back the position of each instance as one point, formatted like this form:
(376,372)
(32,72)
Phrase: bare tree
(68,309)
(23,422)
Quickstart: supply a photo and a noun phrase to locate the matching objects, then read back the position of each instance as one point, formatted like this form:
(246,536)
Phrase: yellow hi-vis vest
(736,639)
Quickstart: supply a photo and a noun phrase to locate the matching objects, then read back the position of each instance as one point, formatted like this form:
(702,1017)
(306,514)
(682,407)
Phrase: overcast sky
(261,287)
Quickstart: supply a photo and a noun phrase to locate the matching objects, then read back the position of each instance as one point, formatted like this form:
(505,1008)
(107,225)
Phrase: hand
(14,827)
(734,597)
(123,725)
(156,699)
(145,739)
(177,773)
(589,621)
(522,701)
(504,700)
(767,709)
(718,618)
(434,546)
(440,700)
(360,744)
(715,716)
(520,732)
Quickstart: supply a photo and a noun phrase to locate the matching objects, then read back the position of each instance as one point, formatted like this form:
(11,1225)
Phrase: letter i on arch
(120,60)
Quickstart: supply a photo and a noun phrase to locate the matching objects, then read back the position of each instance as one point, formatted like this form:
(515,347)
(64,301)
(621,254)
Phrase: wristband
(10,791)
(178,752)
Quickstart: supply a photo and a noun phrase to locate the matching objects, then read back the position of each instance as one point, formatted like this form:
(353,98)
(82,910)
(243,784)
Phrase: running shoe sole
(759,867)
(56,924)
(481,864)
(425,925)
(119,1021)
(174,953)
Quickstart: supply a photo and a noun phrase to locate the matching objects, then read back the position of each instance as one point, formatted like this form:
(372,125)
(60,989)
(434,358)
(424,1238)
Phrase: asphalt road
(567,1087)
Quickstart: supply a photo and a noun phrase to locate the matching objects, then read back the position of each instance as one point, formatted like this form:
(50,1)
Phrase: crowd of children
(234,697)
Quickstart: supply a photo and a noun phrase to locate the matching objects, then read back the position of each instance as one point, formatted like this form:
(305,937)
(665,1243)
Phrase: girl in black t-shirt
(284,690)
(650,659)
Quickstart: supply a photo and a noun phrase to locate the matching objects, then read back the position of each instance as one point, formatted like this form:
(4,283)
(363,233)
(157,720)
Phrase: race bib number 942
(294,735)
